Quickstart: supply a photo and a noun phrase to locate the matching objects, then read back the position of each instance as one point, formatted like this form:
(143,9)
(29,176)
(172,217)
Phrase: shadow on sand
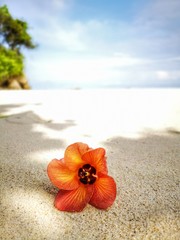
(146,171)
(19,140)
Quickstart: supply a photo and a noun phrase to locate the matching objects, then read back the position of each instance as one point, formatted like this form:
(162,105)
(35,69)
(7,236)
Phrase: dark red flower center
(87,174)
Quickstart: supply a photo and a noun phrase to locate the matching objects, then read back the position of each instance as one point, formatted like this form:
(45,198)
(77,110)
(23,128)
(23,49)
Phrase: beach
(140,130)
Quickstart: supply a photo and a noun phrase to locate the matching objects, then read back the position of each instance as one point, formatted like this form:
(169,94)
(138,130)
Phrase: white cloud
(100,71)
(142,50)
(162,75)
(165,10)
(61,36)
(167,76)
(141,37)
(83,70)
(175,75)
(159,12)
(59,3)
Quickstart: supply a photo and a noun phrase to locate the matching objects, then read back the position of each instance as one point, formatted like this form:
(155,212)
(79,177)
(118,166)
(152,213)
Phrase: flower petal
(73,155)
(61,176)
(75,200)
(104,192)
(97,159)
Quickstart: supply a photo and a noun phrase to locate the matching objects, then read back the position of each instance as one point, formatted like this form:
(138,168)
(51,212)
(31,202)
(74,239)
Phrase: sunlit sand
(140,130)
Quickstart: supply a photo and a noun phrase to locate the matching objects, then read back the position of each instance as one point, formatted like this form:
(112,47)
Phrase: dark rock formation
(16,83)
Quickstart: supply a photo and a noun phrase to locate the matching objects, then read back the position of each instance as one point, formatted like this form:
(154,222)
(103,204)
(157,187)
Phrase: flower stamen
(87,174)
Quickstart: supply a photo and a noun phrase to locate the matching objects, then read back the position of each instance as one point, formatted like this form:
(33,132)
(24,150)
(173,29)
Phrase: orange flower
(82,178)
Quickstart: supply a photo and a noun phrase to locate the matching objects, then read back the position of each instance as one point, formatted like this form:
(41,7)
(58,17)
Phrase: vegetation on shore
(13,37)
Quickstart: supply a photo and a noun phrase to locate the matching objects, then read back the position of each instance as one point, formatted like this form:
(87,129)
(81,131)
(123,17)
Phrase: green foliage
(13,36)
(11,64)
(14,31)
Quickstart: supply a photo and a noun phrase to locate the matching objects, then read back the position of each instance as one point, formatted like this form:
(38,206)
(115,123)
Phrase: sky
(101,43)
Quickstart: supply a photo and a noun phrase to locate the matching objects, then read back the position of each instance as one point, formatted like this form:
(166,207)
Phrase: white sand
(140,130)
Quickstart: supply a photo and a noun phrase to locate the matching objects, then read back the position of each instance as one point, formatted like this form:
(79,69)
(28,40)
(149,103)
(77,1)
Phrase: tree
(11,64)
(13,36)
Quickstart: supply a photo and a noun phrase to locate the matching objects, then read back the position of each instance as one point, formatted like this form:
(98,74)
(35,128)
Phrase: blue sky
(101,43)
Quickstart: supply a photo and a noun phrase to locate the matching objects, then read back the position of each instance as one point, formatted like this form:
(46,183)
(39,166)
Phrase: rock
(23,82)
(14,84)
